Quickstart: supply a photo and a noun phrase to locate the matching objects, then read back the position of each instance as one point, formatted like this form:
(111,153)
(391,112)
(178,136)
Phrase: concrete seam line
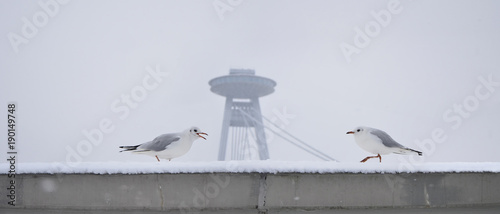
(261,206)
(482,189)
(160,190)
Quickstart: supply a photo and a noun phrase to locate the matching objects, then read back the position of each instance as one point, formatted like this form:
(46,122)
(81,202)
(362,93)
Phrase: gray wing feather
(160,143)
(386,139)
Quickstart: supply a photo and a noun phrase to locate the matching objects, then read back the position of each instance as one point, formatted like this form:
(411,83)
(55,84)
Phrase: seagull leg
(157,158)
(364,160)
(378,156)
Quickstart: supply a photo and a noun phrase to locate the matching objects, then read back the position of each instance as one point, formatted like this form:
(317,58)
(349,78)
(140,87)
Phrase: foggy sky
(419,74)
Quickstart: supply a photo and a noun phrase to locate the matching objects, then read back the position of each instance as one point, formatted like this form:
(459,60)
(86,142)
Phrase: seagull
(168,146)
(378,142)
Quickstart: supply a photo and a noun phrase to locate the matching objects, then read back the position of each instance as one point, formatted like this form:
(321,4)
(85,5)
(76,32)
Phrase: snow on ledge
(268,166)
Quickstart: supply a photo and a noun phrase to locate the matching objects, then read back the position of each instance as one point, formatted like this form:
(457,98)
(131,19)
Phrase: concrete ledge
(262,191)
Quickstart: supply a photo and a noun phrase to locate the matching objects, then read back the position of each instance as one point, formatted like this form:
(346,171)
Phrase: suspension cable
(322,156)
(300,141)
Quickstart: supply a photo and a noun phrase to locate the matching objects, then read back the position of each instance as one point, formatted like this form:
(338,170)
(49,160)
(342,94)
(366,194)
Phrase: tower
(242,115)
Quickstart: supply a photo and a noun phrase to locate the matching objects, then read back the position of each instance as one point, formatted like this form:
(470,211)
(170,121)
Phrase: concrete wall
(251,191)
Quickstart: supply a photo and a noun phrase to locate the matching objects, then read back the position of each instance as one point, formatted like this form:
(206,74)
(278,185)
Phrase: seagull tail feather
(129,148)
(413,150)
(406,151)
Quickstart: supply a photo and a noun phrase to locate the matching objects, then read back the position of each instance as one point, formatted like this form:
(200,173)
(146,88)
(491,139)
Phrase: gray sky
(418,72)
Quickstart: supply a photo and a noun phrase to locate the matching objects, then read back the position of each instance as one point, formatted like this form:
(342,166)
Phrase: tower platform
(242,125)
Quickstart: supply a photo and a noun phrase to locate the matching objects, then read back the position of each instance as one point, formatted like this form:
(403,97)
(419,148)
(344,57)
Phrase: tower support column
(259,130)
(225,128)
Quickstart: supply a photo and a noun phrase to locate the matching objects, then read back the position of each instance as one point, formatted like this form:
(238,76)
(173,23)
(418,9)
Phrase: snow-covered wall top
(244,167)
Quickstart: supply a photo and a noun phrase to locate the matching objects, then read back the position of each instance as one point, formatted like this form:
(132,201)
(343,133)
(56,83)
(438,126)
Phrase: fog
(426,72)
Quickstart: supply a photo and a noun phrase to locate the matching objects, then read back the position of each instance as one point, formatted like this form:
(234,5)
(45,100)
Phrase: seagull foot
(378,156)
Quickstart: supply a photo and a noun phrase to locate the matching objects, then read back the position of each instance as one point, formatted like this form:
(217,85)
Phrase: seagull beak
(350,132)
(199,135)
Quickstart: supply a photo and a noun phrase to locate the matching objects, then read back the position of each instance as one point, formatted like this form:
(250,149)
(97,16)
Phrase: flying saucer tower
(242,121)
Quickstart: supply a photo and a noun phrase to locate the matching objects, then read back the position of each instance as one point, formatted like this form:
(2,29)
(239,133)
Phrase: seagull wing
(391,143)
(386,139)
(160,143)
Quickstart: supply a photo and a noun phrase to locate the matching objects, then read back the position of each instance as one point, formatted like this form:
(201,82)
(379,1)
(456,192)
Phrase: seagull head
(359,131)
(195,131)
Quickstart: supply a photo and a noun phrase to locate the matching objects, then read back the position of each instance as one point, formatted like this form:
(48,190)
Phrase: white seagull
(378,142)
(168,146)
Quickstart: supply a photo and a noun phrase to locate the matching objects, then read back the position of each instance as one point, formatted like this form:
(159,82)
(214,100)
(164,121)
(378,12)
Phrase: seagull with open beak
(168,146)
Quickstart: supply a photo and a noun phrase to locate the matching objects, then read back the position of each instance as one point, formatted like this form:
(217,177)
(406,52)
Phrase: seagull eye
(358,130)
(195,130)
